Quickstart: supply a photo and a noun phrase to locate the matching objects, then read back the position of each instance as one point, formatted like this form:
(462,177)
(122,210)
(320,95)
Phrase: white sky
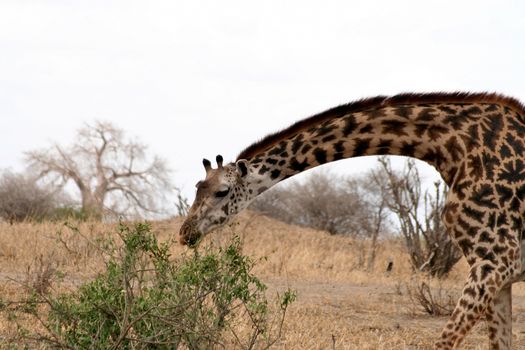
(195,78)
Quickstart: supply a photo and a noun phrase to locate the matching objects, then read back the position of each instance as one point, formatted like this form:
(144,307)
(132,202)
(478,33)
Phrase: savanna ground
(340,304)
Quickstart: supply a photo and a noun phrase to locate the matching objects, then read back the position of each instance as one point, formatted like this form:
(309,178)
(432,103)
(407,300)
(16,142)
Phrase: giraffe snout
(188,234)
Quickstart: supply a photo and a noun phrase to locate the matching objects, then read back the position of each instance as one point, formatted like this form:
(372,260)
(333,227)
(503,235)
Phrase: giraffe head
(224,192)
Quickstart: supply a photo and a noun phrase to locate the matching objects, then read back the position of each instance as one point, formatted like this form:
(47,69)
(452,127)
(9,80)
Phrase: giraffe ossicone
(475,141)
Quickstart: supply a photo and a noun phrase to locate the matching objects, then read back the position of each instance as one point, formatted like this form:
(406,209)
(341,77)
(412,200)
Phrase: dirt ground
(339,315)
(340,305)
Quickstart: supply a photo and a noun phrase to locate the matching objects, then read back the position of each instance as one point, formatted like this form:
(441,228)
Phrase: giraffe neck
(438,133)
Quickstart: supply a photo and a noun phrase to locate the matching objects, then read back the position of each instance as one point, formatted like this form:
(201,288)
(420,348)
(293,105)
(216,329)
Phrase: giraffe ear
(242,167)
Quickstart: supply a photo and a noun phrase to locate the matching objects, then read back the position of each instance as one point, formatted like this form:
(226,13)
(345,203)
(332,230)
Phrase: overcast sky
(195,78)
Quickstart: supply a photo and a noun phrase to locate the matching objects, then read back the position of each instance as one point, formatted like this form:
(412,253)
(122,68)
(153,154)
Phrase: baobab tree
(113,175)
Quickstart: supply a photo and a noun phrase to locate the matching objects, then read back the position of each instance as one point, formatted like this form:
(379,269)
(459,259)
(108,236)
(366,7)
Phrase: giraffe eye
(221,194)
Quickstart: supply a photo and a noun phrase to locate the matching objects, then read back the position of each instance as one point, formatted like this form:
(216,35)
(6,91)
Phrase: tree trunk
(91,208)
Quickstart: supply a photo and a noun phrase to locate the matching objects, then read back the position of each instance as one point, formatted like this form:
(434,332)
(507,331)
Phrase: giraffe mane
(376,103)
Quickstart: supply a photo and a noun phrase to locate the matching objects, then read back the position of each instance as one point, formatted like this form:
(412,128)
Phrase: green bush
(144,300)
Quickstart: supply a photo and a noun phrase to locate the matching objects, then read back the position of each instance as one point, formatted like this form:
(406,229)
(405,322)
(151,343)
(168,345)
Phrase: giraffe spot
(298,166)
(272,161)
(263,169)
(409,148)
(393,126)
(426,115)
(366,129)
(306,148)
(420,129)
(491,108)
(328,138)
(435,131)
(433,156)
(486,270)
(361,146)
(383,147)
(463,224)
(466,246)
(474,214)
(338,156)
(492,130)
(339,146)
(505,193)
(489,163)
(473,110)
(261,189)
(471,138)
(320,155)
(375,113)
(469,291)
(517,126)
(275,174)
(515,204)
(403,111)
(454,149)
(456,121)
(503,234)
(517,145)
(297,143)
(499,249)
(485,238)
(484,196)
(350,125)
(484,254)
(505,151)
(280,148)
(446,109)
(513,171)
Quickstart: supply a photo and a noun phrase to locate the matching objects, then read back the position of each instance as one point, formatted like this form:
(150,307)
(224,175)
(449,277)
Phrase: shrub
(436,301)
(144,300)
(22,198)
(419,217)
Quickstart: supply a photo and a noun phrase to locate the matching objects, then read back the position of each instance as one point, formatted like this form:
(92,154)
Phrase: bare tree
(419,217)
(112,174)
(376,220)
(326,201)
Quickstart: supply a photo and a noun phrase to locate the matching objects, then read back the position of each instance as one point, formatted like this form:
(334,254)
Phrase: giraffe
(475,140)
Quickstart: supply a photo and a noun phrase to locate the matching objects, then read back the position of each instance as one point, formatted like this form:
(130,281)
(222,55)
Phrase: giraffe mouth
(188,234)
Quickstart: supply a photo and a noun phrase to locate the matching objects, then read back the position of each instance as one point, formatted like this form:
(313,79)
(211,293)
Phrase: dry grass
(340,305)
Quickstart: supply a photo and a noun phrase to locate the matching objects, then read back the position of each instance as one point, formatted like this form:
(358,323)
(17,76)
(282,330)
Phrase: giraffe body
(475,141)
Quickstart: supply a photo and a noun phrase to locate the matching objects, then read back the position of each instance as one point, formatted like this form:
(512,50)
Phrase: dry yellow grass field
(340,305)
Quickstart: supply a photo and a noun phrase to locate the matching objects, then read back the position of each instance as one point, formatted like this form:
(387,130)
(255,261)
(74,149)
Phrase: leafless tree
(350,206)
(21,198)
(419,217)
(377,220)
(113,174)
(326,201)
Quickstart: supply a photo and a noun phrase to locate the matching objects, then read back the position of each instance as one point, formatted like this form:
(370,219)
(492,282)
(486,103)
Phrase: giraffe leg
(482,286)
(499,320)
